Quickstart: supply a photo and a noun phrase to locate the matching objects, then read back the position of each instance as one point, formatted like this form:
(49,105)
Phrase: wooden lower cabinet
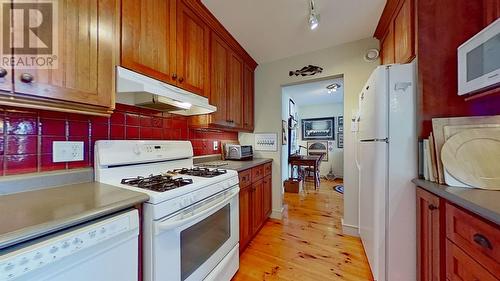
(255,203)
(454,244)
(428,236)
(246,224)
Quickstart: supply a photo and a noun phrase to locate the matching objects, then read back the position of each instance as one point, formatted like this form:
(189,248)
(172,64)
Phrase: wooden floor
(307,244)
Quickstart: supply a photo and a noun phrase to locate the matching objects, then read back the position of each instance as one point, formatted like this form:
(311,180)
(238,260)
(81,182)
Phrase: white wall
(336,155)
(346,59)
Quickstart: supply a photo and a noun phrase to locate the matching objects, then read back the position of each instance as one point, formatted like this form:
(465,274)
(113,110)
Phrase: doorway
(314,112)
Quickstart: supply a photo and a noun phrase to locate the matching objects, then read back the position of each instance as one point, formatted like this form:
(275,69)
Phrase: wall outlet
(67,151)
(216,145)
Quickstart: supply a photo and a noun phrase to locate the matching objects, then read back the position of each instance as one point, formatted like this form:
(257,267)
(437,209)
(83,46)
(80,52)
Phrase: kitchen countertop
(30,214)
(240,165)
(484,203)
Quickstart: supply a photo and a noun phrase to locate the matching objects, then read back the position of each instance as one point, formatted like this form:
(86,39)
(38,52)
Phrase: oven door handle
(167,225)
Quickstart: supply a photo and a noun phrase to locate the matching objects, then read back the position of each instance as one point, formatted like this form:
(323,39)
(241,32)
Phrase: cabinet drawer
(245,178)
(257,172)
(460,266)
(478,238)
(268,168)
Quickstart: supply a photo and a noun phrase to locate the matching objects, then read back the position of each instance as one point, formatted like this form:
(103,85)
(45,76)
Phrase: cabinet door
(6,79)
(267,197)
(257,204)
(403,33)
(5,71)
(428,236)
(387,46)
(148,38)
(218,74)
(248,98)
(246,223)
(85,55)
(235,88)
(192,51)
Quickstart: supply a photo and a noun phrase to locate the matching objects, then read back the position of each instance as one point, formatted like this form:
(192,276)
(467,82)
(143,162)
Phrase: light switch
(67,151)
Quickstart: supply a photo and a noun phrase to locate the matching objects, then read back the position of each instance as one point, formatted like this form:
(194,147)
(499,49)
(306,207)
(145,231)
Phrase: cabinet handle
(482,241)
(26,78)
(181,80)
(3,72)
(432,207)
(174,76)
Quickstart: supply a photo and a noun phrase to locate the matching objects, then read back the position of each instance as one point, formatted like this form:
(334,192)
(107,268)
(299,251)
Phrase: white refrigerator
(387,162)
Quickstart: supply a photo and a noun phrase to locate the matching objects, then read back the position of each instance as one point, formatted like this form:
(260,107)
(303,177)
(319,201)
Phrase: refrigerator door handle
(376,140)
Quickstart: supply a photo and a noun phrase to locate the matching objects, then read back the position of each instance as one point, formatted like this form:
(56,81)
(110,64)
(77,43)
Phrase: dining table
(296,160)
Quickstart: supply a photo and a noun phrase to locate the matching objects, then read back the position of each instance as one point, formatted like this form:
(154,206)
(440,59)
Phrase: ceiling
(273,29)
(315,92)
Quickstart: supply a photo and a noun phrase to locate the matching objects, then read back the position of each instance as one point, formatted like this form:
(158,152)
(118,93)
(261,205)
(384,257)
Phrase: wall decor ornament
(318,128)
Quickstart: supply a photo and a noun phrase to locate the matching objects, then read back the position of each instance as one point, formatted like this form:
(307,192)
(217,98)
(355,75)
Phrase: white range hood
(136,89)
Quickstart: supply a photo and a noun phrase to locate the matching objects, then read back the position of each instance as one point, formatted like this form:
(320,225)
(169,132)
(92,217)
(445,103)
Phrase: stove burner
(200,172)
(160,183)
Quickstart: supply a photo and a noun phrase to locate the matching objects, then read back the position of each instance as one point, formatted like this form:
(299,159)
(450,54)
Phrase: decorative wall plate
(472,156)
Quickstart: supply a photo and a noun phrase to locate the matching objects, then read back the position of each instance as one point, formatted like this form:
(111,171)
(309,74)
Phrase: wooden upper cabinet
(219,78)
(84,68)
(396,32)
(403,33)
(235,90)
(387,46)
(248,98)
(429,237)
(193,41)
(148,41)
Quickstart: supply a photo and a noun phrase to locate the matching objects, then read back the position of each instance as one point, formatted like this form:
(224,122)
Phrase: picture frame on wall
(340,123)
(291,108)
(318,128)
(284,132)
(316,148)
(266,142)
(340,140)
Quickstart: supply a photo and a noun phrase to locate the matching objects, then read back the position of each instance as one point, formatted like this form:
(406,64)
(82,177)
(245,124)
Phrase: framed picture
(318,148)
(291,108)
(340,123)
(284,132)
(318,129)
(266,142)
(340,140)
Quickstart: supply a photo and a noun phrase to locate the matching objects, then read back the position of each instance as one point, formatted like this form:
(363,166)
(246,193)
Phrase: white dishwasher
(101,250)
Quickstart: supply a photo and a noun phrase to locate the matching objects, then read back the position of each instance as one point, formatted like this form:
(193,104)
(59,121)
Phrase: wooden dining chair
(310,171)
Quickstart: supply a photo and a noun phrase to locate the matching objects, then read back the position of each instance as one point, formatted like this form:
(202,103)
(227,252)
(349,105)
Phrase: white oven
(197,243)
(479,61)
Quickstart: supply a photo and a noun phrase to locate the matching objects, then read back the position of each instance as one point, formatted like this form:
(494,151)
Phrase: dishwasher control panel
(38,255)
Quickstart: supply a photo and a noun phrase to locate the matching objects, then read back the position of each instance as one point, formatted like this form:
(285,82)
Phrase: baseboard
(277,214)
(349,229)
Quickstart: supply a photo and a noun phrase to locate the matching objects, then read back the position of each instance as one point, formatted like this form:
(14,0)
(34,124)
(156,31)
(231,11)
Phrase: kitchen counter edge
(478,201)
(245,164)
(36,231)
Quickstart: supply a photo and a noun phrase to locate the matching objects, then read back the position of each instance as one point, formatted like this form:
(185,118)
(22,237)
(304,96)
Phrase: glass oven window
(200,241)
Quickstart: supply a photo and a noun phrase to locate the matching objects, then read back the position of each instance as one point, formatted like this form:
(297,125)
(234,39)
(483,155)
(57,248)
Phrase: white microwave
(479,61)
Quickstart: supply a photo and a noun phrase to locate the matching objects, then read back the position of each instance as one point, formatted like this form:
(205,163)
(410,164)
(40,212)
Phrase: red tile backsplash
(26,136)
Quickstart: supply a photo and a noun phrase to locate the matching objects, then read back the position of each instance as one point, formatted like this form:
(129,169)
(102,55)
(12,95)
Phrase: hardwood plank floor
(307,244)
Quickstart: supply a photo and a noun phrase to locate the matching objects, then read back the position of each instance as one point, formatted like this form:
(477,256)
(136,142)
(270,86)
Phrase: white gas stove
(191,226)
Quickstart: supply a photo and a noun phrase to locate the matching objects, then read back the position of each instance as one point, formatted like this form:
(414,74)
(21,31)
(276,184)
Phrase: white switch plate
(216,145)
(67,151)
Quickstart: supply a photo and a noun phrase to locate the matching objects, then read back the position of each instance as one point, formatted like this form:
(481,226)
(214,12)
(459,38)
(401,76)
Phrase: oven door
(189,244)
